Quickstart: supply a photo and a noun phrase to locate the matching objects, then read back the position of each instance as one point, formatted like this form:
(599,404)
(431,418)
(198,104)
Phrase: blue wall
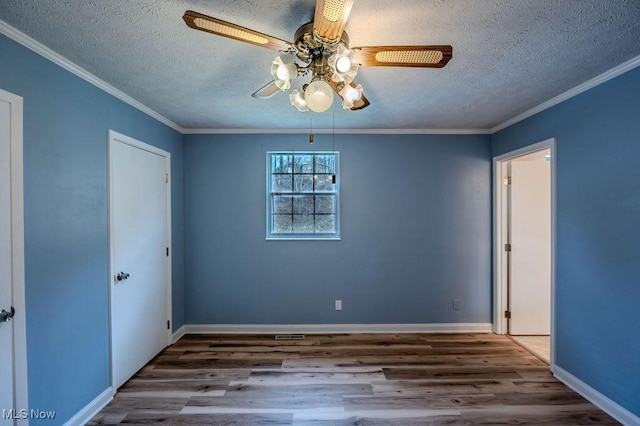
(415,226)
(65,190)
(598,237)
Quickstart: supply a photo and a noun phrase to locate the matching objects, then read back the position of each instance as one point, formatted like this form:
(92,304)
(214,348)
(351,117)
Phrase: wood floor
(362,379)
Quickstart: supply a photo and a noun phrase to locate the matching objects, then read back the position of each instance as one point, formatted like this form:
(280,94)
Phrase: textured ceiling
(508,56)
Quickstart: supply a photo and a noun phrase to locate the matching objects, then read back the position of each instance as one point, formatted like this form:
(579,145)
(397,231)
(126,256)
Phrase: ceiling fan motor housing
(314,51)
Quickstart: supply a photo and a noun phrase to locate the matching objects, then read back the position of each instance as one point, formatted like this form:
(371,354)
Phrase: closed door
(6,285)
(530,283)
(139,241)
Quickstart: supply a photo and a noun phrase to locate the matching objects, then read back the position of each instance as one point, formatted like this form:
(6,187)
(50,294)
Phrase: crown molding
(60,60)
(341,131)
(596,81)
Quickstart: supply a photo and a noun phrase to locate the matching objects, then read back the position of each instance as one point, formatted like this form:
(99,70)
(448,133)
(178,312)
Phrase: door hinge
(507,314)
(166,178)
(507,247)
(507,180)
(168,325)
(167,251)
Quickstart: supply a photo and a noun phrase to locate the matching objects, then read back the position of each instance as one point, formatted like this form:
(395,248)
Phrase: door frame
(20,386)
(500,223)
(115,137)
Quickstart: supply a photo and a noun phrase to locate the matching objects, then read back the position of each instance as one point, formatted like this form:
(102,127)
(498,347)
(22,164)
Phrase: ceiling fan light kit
(318,95)
(321,50)
(283,73)
(297,100)
(350,95)
(344,64)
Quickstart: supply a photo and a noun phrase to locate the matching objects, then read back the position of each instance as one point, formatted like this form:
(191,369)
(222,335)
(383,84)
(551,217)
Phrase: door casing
(500,223)
(114,137)
(15,163)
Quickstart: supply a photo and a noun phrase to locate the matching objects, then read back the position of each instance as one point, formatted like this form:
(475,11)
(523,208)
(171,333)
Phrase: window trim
(302,237)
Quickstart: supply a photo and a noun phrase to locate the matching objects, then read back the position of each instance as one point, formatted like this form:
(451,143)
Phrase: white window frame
(269,205)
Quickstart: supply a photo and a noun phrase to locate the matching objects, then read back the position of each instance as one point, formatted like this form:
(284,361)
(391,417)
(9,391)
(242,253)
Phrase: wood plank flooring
(350,379)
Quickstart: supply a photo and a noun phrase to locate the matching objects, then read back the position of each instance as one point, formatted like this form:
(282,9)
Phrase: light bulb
(343,64)
(352,94)
(282,73)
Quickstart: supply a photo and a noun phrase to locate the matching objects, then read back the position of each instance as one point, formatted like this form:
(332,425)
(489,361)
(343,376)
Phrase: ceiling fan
(321,49)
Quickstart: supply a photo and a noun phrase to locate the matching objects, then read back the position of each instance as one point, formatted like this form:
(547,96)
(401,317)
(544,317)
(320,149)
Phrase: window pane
(325,204)
(303,224)
(303,164)
(324,183)
(282,224)
(326,224)
(281,163)
(303,205)
(302,198)
(281,183)
(282,204)
(325,163)
(303,183)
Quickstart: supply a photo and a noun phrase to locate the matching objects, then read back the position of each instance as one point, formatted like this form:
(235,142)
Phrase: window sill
(299,238)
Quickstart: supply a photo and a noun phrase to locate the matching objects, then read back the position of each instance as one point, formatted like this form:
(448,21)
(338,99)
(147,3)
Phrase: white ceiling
(508,56)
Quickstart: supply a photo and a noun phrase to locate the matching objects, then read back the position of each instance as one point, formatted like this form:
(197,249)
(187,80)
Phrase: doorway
(13,335)
(139,254)
(524,235)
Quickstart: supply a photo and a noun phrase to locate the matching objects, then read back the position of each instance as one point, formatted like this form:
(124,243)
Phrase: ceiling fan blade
(211,25)
(361,103)
(331,17)
(266,91)
(404,56)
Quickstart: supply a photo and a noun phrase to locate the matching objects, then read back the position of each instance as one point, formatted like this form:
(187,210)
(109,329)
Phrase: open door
(530,255)
(524,247)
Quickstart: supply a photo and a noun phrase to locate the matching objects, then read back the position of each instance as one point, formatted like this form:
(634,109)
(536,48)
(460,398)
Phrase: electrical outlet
(338,305)
(456,304)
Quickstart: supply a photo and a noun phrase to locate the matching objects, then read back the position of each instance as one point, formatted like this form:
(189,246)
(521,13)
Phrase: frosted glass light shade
(283,73)
(344,64)
(298,101)
(319,96)
(350,95)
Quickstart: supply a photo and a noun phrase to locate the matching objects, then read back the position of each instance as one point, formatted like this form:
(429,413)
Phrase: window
(303,195)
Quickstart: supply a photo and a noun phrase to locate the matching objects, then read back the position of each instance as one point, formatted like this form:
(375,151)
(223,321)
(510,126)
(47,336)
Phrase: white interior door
(530,289)
(139,241)
(13,344)
(6,286)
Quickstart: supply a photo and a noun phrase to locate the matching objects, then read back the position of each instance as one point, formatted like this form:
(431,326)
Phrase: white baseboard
(610,407)
(335,328)
(178,334)
(91,409)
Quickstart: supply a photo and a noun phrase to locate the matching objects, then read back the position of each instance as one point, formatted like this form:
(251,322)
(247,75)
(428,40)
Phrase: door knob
(122,276)
(6,316)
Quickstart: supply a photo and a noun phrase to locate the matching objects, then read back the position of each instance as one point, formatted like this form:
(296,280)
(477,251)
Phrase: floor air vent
(289,336)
